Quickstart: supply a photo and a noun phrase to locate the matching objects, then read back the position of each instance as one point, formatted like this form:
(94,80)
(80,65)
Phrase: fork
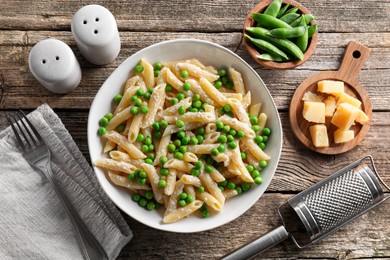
(37,154)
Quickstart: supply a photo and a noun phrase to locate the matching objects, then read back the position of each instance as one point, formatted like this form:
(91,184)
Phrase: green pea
(131,177)
(181,110)
(185,140)
(226,129)
(140,137)
(190,199)
(229,85)
(117,98)
(141,181)
(136,197)
(205,214)
(142,202)
(148,141)
(104,121)
(186,86)
(147,96)
(223,183)
(196,97)
(157,134)
(243,155)
(168,88)
(240,134)
(162,183)
(200,138)
(183,196)
(225,80)
(200,189)
(134,110)
(156,126)
(179,124)
(142,174)
(171,148)
(255,128)
(151,147)
(121,128)
(246,186)
(140,92)
(174,101)
(262,145)
(194,109)
(219,125)
(258,139)
(214,151)
(179,155)
(230,138)
(266,46)
(177,143)
(134,98)
(221,188)
(163,159)
(164,171)
(263,163)
(183,149)
(208,169)
(180,96)
(218,84)
(198,165)
(145,148)
(265,138)
(232,145)
(139,68)
(227,108)
(250,168)
(102,131)
(157,65)
(222,72)
(232,132)
(266,131)
(163,124)
(156,72)
(254,120)
(184,74)
(195,171)
(181,203)
(137,102)
(258,180)
(200,131)
(144,109)
(221,111)
(150,206)
(197,104)
(149,195)
(255,174)
(210,160)
(194,140)
(109,116)
(222,139)
(231,185)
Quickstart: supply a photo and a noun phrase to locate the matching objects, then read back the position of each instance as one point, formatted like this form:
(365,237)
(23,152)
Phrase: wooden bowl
(279,65)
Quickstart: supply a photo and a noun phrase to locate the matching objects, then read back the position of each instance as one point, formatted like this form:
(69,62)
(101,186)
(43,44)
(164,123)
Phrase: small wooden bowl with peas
(280,34)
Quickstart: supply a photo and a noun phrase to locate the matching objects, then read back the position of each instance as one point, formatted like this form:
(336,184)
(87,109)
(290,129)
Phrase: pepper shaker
(96,33)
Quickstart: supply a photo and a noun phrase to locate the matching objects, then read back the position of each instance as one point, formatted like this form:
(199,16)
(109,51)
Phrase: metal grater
(323,208)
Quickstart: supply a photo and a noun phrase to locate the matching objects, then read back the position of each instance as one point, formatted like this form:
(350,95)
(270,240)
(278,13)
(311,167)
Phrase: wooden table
(142,23)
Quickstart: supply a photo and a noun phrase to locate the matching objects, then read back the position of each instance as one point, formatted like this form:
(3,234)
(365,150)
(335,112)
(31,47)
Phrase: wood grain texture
(141,23)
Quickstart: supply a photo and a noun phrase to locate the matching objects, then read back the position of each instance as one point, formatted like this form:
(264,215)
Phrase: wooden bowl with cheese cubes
(330,111)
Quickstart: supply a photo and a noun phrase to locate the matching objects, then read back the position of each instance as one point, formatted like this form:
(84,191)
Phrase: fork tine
(33,140)
(22,130)
(24,148)
(39,137)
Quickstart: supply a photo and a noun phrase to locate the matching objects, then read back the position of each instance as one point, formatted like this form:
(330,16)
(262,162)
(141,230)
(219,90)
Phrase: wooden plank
(365,237)
(204,15)
(21,90)
(299,168)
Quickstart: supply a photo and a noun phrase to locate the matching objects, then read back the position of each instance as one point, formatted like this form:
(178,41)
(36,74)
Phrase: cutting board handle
(354,57)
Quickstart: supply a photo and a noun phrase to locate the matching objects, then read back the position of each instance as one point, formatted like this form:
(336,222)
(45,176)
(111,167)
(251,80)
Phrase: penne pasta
(122,142)
(182,212)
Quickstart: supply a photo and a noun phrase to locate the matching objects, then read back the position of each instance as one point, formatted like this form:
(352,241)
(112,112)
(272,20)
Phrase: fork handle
(90,247)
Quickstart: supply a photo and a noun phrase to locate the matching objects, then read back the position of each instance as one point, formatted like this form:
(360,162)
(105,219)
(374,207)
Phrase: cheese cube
(341,136)
(310,96)
(331,87)
(314,111)
(319,135)
(345,98)
(330,106)
(362,117)
(345,116)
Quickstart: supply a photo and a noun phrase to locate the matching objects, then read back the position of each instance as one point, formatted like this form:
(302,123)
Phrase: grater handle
(259,245)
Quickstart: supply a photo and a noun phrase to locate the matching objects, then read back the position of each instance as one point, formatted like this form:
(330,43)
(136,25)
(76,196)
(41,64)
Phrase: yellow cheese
(345,98)
(362,117)
(331,87)
(345,116)
(330,106)
(314,111)
(310,96)
(341,136)
(319,135)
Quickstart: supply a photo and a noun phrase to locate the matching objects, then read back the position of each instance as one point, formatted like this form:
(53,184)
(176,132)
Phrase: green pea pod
(270,57)
(289,18)
(284,44)
(311,30)
(282,10)
(302,41)
(285,33)
(308,19)
(270,22)
(266,46)
(273,8)
(292,10)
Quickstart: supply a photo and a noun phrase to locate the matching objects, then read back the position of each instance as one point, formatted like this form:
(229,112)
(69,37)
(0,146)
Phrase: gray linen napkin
(33,224)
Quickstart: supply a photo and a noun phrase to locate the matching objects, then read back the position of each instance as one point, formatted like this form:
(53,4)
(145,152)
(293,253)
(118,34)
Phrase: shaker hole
(43,61)
(97,19)
(57,57)
(85,22)
(95,32)
(356,54)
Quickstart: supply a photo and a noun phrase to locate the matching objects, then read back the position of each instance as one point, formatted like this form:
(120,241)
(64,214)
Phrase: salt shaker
(54,65)
(96,33)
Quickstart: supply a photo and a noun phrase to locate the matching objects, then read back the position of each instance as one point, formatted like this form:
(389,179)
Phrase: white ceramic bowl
(209,54)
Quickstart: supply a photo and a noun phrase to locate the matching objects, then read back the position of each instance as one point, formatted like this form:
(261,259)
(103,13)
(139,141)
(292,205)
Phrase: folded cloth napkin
(33,224)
